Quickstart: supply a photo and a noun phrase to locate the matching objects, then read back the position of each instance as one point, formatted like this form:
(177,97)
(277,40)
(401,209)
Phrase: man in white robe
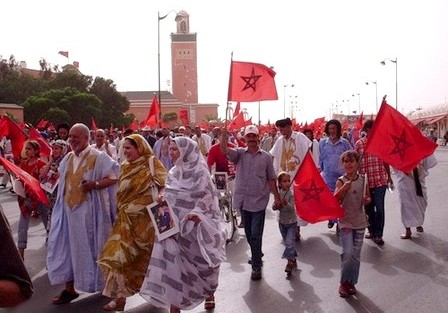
(413,202)
(288,151)
(82,217)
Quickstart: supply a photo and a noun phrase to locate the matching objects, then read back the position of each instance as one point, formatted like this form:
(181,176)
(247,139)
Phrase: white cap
(251,129)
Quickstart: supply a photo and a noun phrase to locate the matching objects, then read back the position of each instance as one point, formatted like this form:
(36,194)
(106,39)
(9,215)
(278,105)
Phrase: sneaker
(256,274)
(344,290)
(330,224)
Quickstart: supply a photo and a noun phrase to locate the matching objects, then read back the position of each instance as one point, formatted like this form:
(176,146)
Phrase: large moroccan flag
(396,141)
(250,82)
(314,200)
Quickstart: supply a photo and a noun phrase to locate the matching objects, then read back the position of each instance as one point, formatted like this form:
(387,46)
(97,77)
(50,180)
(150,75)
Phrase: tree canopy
(62,96)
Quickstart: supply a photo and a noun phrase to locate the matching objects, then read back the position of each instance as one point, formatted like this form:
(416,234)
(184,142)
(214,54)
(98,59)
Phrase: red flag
(64,53)
(237,122)
(111,128)
(250,82)
(314,201)
(396,141)
(237,110)
(134,126)
(50,127)
(248,122)
(45,149)
(183,115)
(30,183)
(93,126)
(42,124)
(153,114)
(9,128)
(357,128)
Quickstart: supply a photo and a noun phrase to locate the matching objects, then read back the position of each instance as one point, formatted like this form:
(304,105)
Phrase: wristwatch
(97,185)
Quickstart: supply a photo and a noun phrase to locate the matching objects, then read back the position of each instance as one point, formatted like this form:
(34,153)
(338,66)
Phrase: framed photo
(220,181)
(163,218)
(50,182)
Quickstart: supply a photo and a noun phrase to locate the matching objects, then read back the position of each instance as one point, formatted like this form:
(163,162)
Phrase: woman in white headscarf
(184,268)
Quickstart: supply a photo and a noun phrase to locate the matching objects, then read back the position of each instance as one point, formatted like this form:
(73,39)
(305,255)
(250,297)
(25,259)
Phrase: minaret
(184,61)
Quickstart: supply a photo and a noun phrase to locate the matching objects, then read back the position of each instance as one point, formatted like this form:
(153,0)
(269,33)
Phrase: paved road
(402,276)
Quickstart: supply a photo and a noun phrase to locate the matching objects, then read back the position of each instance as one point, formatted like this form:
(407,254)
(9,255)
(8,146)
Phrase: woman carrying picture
(125,256)
(184,268)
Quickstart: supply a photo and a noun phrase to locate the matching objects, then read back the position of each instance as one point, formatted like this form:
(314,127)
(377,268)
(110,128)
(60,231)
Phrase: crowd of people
(101,237)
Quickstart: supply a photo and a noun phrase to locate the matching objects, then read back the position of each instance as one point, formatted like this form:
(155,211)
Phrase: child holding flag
(352,193)
(287,220)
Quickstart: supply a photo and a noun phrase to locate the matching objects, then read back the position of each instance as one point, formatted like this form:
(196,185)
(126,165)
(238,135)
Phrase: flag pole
(229,89)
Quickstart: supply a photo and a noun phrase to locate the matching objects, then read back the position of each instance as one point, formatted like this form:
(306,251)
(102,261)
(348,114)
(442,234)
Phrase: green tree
(113,103)
(14,86)
(169,117)
(70,103)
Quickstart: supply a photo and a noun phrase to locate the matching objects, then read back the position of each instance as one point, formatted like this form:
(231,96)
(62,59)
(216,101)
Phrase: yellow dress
(125,256)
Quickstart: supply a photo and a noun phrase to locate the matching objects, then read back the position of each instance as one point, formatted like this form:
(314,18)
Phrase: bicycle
(225,201)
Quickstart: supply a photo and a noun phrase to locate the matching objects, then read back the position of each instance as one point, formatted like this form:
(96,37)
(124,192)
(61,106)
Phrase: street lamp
(396,78)
(376,93)
(284,98)
(359,101)
(348,106)
(159,18)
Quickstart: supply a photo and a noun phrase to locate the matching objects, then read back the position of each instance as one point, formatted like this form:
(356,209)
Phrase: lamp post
(359,101)
(396,78)
(376,93)
(284,98)
(159,18)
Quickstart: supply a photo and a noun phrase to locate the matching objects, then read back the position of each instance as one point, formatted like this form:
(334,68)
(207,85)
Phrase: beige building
(12,109)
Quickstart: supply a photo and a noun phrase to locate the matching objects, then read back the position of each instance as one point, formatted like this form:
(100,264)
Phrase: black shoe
(256,275)
(330,224)
(11,190)
(3,186)
(250,260)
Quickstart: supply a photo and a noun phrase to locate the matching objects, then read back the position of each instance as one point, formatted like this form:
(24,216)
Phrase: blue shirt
(329,160)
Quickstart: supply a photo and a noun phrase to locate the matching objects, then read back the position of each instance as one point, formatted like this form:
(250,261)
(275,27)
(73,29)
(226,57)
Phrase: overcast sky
(327,48)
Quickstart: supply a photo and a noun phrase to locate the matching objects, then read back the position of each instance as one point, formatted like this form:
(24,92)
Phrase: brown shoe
(256,275)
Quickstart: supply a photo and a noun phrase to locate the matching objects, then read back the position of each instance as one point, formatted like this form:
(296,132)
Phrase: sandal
(115,305)
(65,297)
(209,303)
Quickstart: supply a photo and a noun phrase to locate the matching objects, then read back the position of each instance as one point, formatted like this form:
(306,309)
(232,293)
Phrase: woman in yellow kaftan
(125,257)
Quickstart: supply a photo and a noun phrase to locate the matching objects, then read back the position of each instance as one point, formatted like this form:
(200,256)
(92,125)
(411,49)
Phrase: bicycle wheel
(228,218)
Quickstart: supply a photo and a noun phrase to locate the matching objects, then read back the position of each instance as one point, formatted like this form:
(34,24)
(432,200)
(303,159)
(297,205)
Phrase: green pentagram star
(401,144)
(251,80)
(312,192)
